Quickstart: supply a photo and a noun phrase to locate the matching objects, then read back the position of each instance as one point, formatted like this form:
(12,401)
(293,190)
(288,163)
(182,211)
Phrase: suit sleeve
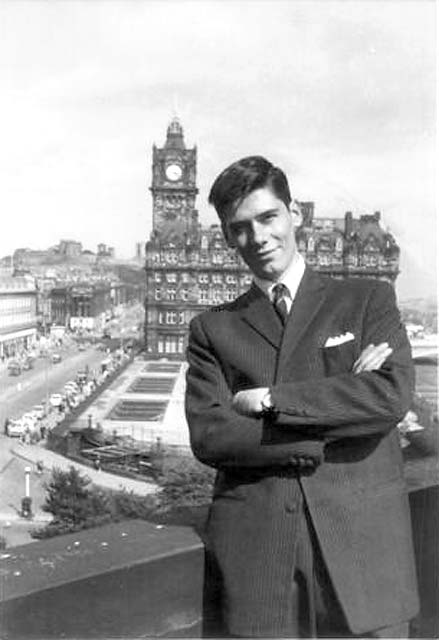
(220,436)
(348,405)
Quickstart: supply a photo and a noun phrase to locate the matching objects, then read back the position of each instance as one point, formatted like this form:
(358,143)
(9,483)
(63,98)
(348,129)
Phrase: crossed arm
(252,402)
(229,430)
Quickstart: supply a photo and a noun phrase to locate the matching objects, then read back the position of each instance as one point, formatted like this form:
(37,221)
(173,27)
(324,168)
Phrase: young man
(290,400)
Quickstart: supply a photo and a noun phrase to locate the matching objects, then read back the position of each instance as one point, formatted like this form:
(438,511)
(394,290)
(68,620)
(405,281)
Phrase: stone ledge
(131,579)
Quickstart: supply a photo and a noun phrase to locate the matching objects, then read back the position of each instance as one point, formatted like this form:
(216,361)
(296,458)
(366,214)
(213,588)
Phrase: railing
(143,580)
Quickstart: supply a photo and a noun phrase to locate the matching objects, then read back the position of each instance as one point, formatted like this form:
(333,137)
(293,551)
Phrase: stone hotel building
(18,314)
(190,268)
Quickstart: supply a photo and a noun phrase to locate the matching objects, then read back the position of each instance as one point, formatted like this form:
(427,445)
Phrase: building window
(171,277)
(204,295)
(171,294)
(184,294)
(217,258)
(324,259)
(180,344)
(203,277)
(171,317)
(217,296)
(181,317)
(185,277)
(230,294)
(158,294)
(339,245)
(217,278)
(370,260)
(157,277)
(169,344)
(230,279)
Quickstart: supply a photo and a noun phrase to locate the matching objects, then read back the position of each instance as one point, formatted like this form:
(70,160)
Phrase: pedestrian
(288,398)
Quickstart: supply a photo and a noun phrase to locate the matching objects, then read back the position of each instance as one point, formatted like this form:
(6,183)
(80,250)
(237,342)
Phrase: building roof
(10,283)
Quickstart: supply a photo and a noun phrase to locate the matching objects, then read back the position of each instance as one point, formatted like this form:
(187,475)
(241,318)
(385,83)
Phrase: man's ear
(296,213)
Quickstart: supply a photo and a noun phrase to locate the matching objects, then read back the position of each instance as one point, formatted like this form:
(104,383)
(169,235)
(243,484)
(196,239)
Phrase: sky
(341,95)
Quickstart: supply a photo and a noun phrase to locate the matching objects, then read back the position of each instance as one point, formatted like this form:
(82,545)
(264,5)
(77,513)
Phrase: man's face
(262,230)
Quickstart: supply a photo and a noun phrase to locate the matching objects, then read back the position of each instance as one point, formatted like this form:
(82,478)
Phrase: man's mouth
(263,255)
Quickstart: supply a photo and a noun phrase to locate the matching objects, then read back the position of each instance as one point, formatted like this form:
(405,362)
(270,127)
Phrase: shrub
(129,505)
(184,482)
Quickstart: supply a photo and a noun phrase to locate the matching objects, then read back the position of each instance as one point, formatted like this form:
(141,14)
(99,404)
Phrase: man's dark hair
(241,178)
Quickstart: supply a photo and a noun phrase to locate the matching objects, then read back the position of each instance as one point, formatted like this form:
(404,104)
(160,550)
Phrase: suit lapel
(307,302)
(259,313)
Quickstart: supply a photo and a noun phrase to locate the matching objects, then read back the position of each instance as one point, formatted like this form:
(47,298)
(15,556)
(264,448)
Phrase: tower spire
(174,135)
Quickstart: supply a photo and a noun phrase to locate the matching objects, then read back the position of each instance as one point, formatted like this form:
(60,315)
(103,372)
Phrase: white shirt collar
(290,278)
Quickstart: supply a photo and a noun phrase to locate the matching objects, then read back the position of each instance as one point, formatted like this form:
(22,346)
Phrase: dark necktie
(280,305)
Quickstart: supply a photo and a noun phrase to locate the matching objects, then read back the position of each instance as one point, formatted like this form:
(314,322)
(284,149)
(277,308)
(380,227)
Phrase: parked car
(81,376)
(14,368)
(56,358)
(73,402)
(56,399)
(81,346)
(30,419)
(15,429)
(39,410)
(71,388)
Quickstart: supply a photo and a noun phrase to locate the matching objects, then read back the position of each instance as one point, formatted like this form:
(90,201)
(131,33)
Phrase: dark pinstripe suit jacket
(356,497)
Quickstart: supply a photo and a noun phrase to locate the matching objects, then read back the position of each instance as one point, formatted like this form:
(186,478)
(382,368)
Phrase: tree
(73,503)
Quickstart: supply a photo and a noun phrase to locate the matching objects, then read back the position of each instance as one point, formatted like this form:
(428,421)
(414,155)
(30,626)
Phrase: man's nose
(259,234)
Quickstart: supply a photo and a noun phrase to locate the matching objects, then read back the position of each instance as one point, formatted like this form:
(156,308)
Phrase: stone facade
(18,314)
(190,268)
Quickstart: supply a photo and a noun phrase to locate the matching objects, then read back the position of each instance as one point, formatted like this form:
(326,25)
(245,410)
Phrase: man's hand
(372,357)
(249,402)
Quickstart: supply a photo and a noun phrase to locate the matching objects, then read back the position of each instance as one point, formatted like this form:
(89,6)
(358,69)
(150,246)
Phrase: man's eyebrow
(267,212)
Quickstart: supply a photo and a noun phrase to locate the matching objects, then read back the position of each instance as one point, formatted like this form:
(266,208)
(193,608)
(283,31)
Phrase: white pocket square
(341,339)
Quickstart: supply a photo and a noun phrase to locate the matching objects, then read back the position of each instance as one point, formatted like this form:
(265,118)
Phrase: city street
(17,395)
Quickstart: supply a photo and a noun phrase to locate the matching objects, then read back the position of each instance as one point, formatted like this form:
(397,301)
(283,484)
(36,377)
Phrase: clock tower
(174,169)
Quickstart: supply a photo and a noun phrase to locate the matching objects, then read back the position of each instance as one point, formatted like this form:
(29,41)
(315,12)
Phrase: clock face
(173,172)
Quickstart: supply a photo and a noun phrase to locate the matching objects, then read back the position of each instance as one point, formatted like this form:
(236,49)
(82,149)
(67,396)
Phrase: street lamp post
(46,383)
(26,502)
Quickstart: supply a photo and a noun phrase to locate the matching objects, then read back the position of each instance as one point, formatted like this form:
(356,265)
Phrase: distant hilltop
(420,313)
(426,303)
